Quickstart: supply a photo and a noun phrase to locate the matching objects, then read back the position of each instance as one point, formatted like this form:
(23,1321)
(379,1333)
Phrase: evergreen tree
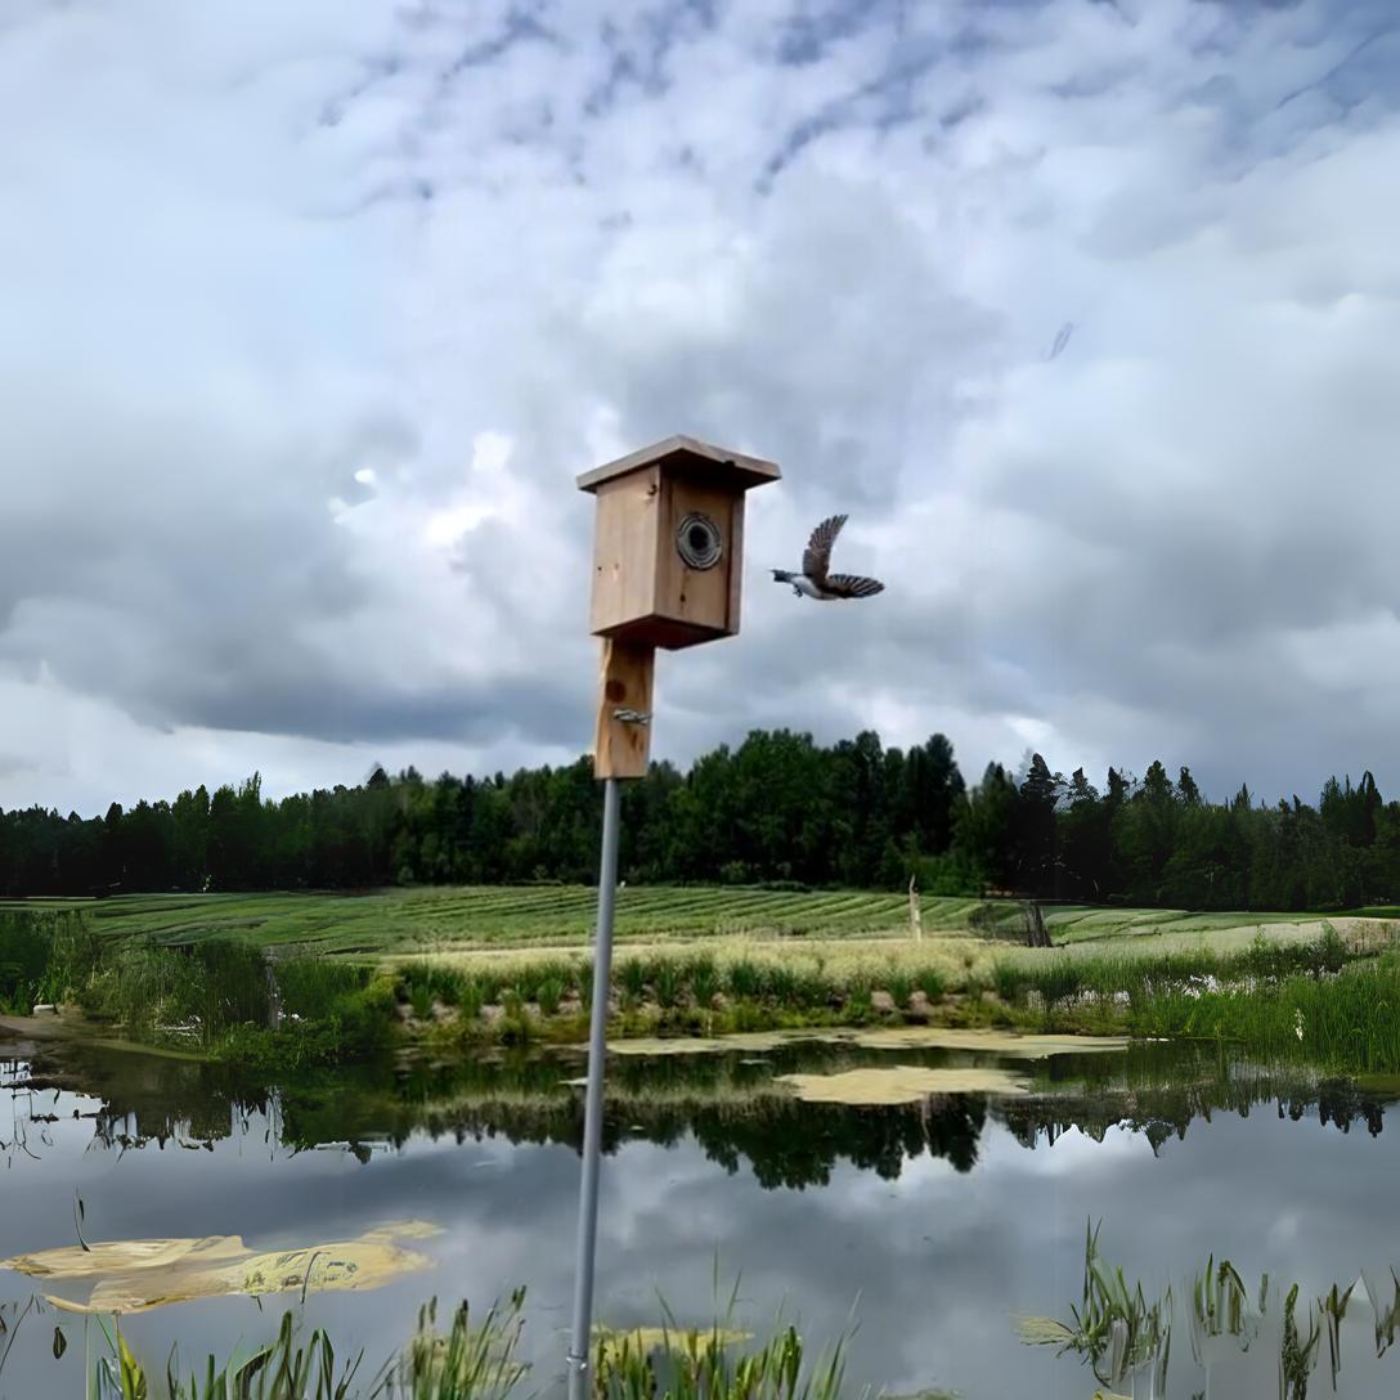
(781,807)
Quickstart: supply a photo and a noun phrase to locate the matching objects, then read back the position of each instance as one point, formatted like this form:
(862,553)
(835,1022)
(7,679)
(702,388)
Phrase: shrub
(632,977)
(45,956)
(930,982)
(745,979)
(670,982)
(704,979)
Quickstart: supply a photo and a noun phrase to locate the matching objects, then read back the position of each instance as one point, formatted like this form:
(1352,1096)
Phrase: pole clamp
(631,717)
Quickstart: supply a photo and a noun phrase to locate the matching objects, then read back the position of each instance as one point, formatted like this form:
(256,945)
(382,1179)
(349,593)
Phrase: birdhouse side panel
(698,553)
(736,571)
(625,550)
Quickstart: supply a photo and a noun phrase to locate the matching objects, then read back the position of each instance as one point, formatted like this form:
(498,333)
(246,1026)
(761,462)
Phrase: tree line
(779,808)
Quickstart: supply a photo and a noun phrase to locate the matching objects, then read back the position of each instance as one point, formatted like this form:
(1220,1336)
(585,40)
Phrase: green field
(459,920)
(391,922)
(463,964)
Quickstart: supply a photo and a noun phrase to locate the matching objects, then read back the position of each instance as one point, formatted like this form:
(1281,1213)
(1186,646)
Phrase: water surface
(930,1227)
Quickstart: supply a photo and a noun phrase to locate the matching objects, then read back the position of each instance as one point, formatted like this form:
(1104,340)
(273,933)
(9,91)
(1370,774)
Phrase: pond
(932,1226)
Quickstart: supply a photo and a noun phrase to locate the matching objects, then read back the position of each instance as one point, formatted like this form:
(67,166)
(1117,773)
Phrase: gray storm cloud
(309,331)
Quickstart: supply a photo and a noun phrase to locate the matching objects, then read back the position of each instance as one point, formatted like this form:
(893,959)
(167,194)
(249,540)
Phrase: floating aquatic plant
(136,1275)
(900,1084)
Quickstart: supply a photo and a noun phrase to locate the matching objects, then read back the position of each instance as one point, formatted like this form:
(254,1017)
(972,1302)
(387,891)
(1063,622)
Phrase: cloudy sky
(1086,312)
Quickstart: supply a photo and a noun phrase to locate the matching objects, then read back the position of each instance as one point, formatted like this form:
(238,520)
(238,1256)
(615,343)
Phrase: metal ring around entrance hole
(699,542)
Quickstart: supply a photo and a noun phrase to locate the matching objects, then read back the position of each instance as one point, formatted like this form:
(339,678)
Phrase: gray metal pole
(580,1348)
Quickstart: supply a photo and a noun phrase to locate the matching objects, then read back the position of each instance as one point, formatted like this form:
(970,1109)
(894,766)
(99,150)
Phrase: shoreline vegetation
(469,1359)
(1120,1334)
(1316,991)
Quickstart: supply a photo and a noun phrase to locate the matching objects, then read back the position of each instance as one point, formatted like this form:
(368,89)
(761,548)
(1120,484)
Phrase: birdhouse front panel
(668,545)
(700,555)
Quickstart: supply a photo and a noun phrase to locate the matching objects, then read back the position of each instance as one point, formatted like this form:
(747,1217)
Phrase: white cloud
(313,317)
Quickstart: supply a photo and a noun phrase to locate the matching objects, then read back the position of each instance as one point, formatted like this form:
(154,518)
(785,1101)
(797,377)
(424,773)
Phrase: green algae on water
(899,1085)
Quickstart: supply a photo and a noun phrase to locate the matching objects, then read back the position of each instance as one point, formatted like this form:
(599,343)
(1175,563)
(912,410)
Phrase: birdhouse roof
(689,454)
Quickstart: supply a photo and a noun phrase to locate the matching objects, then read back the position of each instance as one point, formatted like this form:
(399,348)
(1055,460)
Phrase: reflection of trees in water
(726,1105)
(138,1100)
(1162,1112)
(786,1143)
(795,1145)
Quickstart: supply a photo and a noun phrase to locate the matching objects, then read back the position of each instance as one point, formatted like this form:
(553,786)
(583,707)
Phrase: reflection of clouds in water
(1073,1152)
(939,1261)
(1285,1229)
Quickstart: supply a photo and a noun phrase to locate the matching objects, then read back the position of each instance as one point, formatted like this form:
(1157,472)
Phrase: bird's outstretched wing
(816,559)
(853,586)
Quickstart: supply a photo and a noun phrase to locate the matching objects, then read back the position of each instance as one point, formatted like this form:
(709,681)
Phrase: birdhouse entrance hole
(699,541)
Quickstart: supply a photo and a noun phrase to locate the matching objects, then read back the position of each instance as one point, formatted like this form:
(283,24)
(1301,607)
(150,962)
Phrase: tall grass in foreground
(481,1361)
(1114,1329)
(283,1369)
(703,1367)
(1124,1338)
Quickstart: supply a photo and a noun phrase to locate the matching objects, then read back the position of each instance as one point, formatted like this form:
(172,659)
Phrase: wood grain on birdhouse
(697,598)
(668,543)
(626,543)
(622,745)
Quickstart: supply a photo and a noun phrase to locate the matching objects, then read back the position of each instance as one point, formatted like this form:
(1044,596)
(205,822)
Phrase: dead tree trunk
(1037,935)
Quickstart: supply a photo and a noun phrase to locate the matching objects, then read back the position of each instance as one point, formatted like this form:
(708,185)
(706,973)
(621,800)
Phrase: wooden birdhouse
(668,567)
(668,549)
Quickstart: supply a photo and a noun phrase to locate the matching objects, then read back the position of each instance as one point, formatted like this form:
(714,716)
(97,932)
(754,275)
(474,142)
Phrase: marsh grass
(704,979)
(699,1366)
(153,992)
(1122,1335)
(468,1362)
(1113,1328)
(1317,1003)
(482,1361)
(1330,1001)
(1349,1021)
(549,994)
(284,1369)
(758,984)
(211,989)
(217,994)
(44,954)
(1060,979)
(632,977)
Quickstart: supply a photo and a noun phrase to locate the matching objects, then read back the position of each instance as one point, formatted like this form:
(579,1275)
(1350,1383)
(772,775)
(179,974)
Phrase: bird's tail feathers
(783,576)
